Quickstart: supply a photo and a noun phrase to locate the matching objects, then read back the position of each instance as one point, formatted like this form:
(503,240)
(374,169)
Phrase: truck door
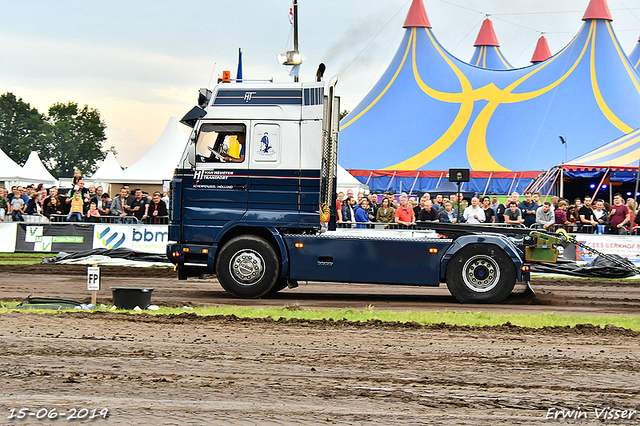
(274,184)
(218,194)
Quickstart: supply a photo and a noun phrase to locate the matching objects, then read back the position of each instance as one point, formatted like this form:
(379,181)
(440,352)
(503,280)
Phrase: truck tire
(280,285)
(481,273)
(247,267)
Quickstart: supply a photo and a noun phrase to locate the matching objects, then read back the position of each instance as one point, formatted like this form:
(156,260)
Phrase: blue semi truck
(252,201)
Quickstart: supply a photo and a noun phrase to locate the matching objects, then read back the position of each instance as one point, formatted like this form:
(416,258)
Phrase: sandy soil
(184,370)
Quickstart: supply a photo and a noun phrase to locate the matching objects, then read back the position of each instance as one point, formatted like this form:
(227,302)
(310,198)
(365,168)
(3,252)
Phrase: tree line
(67,137)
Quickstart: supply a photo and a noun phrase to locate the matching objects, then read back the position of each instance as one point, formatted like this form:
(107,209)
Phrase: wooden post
(94,293)
(93,282)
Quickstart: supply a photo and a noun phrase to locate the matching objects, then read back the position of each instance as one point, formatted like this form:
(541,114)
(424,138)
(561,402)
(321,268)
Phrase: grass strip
(23,258)
(540,320)
(421,317)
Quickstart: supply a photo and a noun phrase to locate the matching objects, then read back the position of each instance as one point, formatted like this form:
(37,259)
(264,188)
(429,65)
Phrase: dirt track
(188,370)
(561,295)
(185,370)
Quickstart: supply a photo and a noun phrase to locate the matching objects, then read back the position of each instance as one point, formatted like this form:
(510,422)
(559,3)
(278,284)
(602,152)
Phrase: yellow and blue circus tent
(615,163)
(624,152)
(610,168)
(487,53)
(634,56)
(432,111)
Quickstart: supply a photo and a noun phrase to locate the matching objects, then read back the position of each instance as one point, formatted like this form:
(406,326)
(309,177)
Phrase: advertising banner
(53,237)
(624,246)
(144,238)
(7,237)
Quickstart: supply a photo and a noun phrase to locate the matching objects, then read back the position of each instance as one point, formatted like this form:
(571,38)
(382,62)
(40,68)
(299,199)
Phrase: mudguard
(283,251)
(499,240)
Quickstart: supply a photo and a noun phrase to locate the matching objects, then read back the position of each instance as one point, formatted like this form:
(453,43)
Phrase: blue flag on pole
(239,73)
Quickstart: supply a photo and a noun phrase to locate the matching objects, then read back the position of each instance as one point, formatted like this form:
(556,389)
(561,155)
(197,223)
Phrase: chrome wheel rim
(247,267)
(481,273)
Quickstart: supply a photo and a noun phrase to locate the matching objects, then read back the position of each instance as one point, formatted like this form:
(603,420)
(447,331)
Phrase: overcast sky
(141,62)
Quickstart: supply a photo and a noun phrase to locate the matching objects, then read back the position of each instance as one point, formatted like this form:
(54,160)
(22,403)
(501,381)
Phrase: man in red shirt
(619,216)
(405,214)
(339,206)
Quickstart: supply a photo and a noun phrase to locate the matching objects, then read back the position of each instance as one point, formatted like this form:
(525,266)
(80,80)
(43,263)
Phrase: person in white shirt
(600,213)
(474,213)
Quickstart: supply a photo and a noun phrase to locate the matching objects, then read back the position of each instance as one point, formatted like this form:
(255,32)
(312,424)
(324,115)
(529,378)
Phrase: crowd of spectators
(92,204)
(583,215)
(360,210)
(82,204)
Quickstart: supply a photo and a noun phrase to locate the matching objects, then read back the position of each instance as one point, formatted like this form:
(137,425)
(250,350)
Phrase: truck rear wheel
(247,266)
(481,273)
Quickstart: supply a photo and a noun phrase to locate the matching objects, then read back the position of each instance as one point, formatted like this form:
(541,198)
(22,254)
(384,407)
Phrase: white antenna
(211,77)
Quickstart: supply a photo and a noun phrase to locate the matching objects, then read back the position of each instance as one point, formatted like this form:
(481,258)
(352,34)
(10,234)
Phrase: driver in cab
(240,158)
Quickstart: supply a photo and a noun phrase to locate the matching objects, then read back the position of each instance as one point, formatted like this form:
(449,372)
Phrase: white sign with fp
(93,278)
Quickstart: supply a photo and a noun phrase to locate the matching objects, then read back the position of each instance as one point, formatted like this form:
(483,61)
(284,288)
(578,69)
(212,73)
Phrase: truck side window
(221,143)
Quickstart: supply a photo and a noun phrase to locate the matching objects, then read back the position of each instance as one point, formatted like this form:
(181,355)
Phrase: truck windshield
(216,142)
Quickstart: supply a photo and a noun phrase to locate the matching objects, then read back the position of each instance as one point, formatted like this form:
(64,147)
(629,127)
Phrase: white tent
(347,181)
(159,163)
(34,171)
(10,171)
(107,169)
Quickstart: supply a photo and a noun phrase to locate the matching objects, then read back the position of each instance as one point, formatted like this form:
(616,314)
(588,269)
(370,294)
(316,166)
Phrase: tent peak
(487,36)
(542,52)
(159,162)
(33,169)
(108,168)
(417,16)
(597,9)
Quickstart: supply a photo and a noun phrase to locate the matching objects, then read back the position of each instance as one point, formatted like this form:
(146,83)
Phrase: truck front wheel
(481,273)
(247,266)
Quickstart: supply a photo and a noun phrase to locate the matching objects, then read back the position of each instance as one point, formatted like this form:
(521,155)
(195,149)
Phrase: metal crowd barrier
(157,220)
(35,217)
(373,225)
(572,228)
(418,225)
(591,229)
(131,220)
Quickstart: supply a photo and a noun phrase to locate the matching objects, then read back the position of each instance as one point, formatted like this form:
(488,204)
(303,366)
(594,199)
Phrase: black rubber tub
(130,297)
